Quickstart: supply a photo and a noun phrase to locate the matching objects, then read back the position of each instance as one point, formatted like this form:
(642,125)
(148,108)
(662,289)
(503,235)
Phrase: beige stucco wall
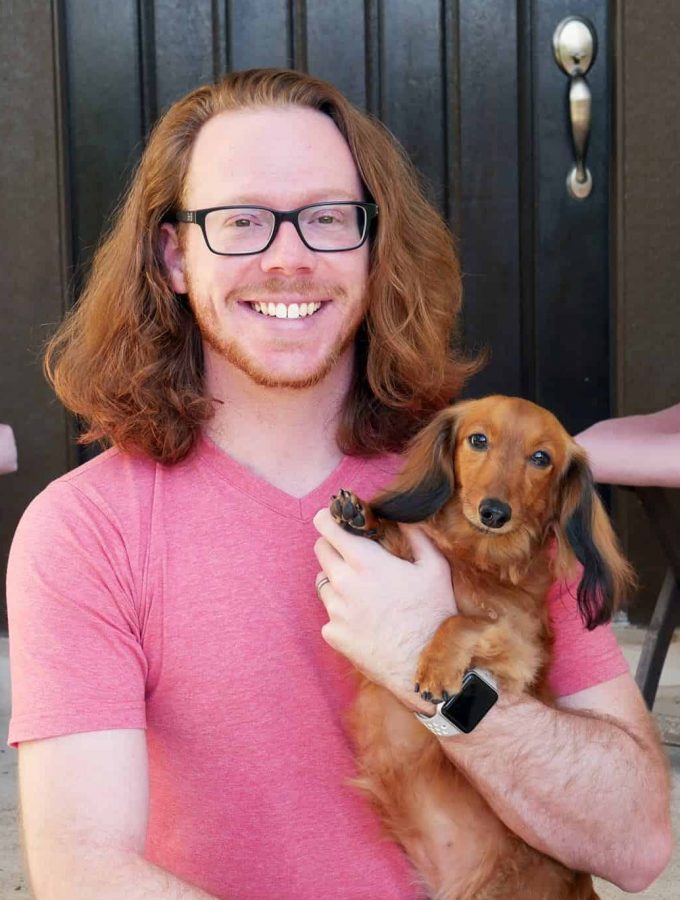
(646,260)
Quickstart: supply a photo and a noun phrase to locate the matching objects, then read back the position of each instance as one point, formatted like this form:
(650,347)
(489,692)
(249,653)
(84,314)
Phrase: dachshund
(507,496)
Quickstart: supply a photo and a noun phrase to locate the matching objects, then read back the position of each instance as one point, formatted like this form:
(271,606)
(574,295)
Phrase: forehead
(519,420)
(278,156)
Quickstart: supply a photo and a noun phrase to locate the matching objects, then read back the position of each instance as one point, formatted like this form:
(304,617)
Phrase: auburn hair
(128,358)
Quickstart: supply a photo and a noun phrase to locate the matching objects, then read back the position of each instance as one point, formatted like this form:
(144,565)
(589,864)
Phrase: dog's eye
(478,441)
(540,458)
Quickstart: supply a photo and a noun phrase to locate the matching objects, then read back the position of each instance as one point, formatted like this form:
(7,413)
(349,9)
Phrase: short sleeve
(76,656)
(581,658)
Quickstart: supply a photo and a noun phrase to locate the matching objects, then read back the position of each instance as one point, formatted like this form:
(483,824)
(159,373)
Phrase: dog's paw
(349,512)
(438,678)
(444,661)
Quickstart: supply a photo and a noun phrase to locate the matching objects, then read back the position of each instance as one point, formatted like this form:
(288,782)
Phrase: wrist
(463,712)
(502,721)
(414,702)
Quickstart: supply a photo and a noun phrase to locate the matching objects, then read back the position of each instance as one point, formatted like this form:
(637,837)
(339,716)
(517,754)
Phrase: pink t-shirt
(180,599)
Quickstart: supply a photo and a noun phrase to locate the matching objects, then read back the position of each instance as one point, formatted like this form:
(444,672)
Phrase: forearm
(576,787)
(635,450)
(124,876)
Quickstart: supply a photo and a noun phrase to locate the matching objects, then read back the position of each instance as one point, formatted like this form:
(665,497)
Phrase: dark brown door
(470,88)
(472,91)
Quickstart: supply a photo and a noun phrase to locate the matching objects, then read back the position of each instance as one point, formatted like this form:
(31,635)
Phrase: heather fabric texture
(180,599)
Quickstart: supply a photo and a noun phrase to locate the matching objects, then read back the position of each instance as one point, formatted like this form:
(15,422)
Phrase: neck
(285,435)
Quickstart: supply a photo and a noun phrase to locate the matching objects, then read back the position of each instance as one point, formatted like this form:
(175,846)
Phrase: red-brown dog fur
(502,578)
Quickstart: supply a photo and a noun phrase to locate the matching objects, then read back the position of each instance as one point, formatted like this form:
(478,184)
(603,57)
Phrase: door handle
(575,46)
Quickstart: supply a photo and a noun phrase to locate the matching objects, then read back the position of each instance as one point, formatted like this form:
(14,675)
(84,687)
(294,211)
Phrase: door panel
(490,192)
(333,26)
(178,47)
(260,33)
(412,88)
(571,237)
(104,112)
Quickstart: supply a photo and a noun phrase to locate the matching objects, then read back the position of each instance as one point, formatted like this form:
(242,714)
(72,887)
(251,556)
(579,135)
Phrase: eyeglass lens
(247,229)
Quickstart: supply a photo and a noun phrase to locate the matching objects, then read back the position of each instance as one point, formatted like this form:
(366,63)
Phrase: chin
(290,376)
(293,381)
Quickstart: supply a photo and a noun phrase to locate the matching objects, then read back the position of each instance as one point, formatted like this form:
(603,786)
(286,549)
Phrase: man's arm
(83,803)
(586,783)
(554,776)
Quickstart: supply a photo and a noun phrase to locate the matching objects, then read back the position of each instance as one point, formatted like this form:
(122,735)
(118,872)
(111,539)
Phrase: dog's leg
(512,652)
(357,517)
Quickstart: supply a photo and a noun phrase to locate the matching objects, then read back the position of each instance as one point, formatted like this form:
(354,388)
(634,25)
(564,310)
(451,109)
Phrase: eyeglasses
(329,227)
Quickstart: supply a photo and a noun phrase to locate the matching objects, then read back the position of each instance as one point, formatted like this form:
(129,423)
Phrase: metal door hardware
(575,46)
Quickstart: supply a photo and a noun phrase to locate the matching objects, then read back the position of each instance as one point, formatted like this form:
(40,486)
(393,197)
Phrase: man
(269,316)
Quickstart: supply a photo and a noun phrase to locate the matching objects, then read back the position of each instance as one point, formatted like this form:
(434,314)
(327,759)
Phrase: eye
(239,219)
(540,459)
(326,217)
(478,441)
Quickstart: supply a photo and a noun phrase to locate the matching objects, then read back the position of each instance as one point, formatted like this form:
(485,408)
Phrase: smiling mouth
(285,310)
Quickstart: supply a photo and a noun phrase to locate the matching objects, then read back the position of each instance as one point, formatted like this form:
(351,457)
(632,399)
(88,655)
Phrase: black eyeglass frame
(198,217)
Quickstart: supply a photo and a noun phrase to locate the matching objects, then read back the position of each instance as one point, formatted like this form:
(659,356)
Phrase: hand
(382,610)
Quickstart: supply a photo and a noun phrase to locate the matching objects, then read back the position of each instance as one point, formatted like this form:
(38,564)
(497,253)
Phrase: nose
(287,253)
(494,513)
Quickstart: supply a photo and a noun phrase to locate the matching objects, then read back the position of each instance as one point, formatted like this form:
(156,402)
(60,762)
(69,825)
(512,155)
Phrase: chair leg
(658,638)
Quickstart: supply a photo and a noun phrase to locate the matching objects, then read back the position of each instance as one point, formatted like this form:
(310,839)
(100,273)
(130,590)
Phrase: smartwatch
(462,713)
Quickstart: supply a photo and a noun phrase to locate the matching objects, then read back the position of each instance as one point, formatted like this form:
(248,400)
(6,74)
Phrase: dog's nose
(494,513)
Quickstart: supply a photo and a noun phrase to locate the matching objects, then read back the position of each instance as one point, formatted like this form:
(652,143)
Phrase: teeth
(281,311)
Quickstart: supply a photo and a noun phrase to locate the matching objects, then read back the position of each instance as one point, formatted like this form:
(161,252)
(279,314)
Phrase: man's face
(282,158)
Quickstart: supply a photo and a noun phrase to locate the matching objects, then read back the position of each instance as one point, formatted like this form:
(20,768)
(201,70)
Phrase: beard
(230,349)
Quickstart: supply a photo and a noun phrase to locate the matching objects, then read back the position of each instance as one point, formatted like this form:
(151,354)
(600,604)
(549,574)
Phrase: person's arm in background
(83,802)
(635,450)
(8,450)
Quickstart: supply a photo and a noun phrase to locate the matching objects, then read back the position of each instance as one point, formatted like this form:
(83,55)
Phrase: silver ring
(320,584)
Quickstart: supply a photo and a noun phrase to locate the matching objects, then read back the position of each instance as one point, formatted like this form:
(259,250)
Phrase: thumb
(421,545)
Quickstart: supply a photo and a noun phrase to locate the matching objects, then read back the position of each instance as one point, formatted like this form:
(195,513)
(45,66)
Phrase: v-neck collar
(259,489)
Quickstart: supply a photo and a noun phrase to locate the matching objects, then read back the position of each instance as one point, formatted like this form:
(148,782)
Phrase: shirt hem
(41,727)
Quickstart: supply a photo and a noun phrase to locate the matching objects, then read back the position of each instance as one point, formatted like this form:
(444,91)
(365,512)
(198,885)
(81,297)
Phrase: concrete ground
(13,882)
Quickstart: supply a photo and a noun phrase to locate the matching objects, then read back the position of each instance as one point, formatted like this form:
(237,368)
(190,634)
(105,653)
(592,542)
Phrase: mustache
(273,287)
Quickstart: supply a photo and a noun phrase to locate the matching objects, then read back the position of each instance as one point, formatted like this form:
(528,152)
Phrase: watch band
(439,724)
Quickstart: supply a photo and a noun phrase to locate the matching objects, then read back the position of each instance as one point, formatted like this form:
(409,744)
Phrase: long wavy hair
(128,358)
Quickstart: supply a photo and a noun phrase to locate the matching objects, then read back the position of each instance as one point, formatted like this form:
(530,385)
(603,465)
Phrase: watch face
(468,708)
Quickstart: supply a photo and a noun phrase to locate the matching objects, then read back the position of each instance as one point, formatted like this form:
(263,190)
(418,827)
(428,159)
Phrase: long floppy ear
(426,482)
(585,530)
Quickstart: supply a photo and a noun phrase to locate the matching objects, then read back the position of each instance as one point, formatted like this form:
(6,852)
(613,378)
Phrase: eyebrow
(329,194)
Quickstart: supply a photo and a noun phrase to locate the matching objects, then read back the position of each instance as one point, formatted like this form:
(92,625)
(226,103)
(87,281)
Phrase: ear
(172,258)
(427,480)
(585,530)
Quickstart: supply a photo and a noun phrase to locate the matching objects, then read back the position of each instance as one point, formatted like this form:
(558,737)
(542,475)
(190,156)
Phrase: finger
(322,584)
(328,557)
(422,546)
(352,547)
(320,580)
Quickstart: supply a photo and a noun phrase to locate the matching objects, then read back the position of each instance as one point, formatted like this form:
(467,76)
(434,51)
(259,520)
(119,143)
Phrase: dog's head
(505,470)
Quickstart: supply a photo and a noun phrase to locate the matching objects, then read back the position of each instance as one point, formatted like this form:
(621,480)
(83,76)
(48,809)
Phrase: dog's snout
(494,513)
